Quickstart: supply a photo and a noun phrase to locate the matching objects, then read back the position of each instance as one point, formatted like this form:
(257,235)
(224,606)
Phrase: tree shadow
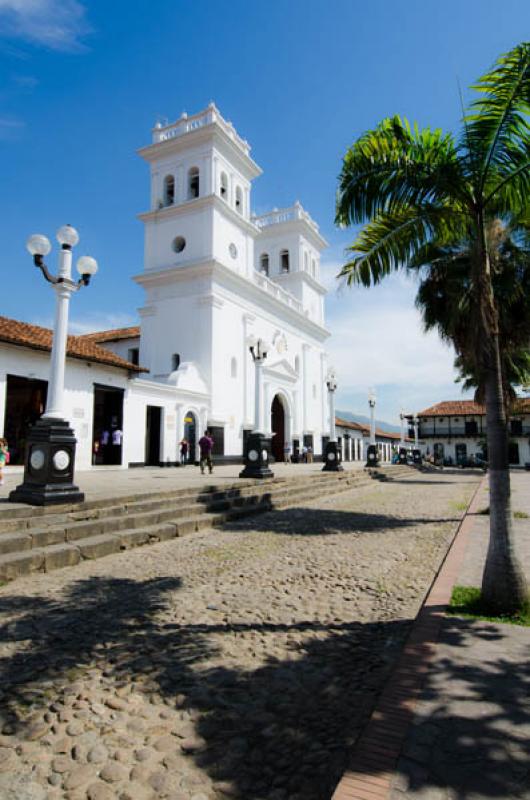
(283,728)
(299,521)
(470,734)
(278,729)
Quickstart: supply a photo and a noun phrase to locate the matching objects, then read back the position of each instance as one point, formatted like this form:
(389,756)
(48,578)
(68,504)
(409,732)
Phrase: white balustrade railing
(279,215)
(162,133)
(276,291)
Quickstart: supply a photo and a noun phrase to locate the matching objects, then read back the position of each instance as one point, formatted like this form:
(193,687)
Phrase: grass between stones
(467,602)
(516,514)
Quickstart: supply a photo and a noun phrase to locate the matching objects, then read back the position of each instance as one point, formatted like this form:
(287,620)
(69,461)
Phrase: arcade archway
(278,427)
(191,431)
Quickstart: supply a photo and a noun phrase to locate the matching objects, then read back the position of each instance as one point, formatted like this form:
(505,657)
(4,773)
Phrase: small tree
(419,189)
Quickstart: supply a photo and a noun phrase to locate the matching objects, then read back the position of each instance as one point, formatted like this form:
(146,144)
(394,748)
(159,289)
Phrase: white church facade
(214,276)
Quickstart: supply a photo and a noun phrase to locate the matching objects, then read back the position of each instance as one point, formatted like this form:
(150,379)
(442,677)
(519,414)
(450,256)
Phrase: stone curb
(375,755)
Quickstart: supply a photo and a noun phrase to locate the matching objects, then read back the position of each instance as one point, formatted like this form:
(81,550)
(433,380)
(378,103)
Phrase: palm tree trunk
(503,582)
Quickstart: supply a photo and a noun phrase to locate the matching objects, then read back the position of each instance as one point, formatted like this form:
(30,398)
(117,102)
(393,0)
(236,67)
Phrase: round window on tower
(179,243)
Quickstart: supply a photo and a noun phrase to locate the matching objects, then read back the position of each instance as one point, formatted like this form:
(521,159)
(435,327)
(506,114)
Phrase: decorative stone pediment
(281,370)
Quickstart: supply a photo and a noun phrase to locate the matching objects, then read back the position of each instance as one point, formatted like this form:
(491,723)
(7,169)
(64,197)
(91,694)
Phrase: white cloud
(10,127)
(101,321)
(94,321)
(56,24)
(378,340)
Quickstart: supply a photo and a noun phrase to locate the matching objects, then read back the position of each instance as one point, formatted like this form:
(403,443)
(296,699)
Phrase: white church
(214,276)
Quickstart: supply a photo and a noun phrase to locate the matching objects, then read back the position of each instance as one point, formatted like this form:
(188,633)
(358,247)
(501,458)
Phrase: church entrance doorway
(25,403)
(152,435)
(278,428)
(107,425)
(191,428)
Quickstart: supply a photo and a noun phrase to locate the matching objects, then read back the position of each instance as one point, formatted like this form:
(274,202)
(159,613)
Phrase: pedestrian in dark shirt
(183,451)
(206,447)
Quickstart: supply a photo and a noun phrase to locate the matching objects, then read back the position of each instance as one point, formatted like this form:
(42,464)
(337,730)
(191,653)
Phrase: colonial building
(354,438)
(454,431)
(214,275)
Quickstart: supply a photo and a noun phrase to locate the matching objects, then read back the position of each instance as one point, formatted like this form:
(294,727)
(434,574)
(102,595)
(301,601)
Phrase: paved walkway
(235,663)
(104,482)
(454,721)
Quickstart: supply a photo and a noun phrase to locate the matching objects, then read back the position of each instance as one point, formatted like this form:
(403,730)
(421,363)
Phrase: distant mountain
(362,420)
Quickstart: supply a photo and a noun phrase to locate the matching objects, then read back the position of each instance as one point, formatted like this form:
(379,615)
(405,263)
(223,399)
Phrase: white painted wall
(80,377)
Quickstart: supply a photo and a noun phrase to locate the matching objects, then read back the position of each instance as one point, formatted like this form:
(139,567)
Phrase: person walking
(287,453)
(309,454)
(184,451)
(4,458)
(206,447)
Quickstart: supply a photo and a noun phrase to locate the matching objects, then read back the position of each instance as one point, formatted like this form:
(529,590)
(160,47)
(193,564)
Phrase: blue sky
(82,82)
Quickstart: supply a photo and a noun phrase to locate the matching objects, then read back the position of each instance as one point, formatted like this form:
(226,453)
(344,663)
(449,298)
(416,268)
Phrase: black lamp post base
(257,457)
(332,458)
(372,456)
(417,457)
(49,466)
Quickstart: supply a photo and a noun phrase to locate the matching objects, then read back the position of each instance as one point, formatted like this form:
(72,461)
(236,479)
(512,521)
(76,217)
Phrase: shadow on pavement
(280,730)
(305,522)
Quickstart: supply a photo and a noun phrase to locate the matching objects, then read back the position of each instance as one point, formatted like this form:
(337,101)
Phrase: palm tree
(445,299)
(417,189)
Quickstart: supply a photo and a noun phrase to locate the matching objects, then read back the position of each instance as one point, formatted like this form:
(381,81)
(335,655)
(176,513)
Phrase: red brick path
(377,750)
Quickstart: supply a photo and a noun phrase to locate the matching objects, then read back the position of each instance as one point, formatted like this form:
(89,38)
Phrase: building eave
(152,152)
(294,226)
(215,269)
(191,206)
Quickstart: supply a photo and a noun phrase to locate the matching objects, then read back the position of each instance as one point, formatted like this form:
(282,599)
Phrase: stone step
(41,517)
(66,542)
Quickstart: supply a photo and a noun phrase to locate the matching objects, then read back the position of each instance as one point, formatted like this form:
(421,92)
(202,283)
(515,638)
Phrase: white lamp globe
(67,236)
(38,245)
(264,347)
(86,265)
(251,340)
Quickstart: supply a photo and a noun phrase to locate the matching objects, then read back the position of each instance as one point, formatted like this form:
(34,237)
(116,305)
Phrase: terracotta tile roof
(345,423)
(387,435)
(460,408)
(33,336)
(113,335)
(365,429)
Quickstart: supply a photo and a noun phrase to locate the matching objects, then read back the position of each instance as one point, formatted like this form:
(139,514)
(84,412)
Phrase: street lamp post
(416,453)
(257,450)
(372,456)
(402,445)
(332,455)
(50,449)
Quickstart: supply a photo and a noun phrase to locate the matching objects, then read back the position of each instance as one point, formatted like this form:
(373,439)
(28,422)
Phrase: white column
(248,319)
(402,420)
(332,432)
(372,424)
(350,454)
(322,388)
(179,411)
(267,401)
(258,417)
(305,348)
(246,210)
(296,415)
(55,402)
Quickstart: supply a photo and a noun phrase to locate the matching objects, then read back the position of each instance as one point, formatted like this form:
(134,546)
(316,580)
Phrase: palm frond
(395,165)
(390,240)
(498,119)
